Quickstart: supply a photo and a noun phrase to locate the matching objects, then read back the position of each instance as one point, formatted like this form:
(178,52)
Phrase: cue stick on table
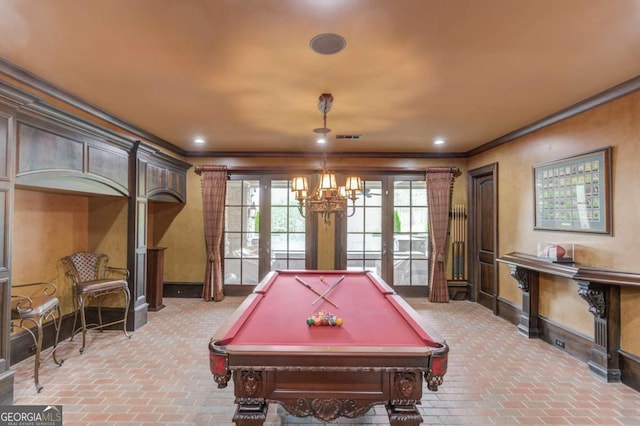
(301,281)
(328,290)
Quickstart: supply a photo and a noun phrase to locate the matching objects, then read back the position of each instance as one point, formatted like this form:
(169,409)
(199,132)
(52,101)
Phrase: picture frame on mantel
(574,193)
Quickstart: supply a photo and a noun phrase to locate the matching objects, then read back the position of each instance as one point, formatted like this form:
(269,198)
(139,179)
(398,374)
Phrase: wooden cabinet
(155,277)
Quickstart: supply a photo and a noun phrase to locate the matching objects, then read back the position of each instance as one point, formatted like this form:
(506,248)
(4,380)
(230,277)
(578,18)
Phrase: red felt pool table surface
(373,315)
(379,355)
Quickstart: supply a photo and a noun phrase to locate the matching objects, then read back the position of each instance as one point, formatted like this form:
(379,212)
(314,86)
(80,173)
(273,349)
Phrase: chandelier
(327,198)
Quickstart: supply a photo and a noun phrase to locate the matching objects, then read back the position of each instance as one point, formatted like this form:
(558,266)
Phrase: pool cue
(301,281)
(328,290)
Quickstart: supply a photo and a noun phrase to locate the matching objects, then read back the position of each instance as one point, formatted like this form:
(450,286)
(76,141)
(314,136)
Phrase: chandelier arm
(301,210)
(353,209)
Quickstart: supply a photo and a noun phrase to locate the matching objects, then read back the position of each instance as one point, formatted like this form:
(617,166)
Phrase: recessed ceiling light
(438,141)
(198,140)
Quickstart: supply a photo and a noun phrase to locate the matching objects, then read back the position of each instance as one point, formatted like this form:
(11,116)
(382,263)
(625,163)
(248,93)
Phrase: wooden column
(604,304)
(137,238)
(155,277)
(7,148)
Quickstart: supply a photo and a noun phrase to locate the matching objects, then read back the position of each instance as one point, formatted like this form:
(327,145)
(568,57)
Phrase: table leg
(253,414)
(403,415)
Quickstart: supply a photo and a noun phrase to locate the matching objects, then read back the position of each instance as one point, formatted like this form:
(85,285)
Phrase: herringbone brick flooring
(161,376)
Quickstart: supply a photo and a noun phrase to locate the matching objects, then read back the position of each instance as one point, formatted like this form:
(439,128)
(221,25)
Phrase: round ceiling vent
(327,44)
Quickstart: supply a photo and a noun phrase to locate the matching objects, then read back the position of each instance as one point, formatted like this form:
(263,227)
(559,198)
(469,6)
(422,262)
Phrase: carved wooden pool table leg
(251,413)
(403,415)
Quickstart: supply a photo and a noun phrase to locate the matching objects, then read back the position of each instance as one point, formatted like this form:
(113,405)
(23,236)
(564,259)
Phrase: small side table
(155,277)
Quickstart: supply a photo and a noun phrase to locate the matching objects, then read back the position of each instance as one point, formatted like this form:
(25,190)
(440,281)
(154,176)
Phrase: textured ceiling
(241,74)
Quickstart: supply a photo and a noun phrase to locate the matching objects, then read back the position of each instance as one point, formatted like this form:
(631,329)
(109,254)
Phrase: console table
(599,287)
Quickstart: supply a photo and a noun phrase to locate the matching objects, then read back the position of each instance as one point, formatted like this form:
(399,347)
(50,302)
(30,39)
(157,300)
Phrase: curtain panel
(439,186)
(214,191)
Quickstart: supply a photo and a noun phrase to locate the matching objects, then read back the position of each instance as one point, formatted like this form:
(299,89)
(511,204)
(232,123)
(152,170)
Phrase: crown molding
(601,98)
(310,154)
(32,80)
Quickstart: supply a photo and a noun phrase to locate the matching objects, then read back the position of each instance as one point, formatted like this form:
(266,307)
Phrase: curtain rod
(454,170)
(199,169)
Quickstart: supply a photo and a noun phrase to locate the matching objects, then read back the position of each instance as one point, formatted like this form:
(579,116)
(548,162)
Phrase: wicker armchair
(93,278)
(33,310)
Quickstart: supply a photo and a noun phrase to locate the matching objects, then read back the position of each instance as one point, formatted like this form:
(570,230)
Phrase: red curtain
(214,191)
(439,184)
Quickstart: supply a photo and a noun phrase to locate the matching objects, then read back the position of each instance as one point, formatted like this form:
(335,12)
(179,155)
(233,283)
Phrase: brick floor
(161,376)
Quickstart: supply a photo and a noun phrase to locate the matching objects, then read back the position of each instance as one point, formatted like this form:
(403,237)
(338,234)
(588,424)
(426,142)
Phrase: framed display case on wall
(574,193)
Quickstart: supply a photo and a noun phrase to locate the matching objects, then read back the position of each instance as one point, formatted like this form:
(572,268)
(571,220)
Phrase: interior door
(483,235)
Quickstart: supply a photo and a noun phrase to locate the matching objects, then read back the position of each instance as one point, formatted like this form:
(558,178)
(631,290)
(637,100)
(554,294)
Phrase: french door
(263,229)
(388,232)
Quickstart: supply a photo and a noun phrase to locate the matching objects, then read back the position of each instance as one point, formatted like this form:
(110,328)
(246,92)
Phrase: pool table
(378,355)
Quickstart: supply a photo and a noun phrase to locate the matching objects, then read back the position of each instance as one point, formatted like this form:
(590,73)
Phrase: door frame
(472,249)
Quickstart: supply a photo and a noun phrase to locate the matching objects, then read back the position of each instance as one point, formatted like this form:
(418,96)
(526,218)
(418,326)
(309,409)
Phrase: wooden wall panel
(60,158)
(40,150)
(108,164)
(177,182)
(7,142)
(156,178)
(164,182)
(4,146)
(4,236)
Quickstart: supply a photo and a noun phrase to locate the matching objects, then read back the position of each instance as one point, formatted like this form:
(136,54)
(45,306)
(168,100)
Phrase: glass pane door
(256,243)
(287,228)
(410,233)
(364,229)
(242,232)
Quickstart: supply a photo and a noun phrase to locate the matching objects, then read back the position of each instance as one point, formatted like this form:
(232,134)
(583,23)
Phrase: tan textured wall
(108,228)
(108,234)
(558,301)
(180,229)
(630,320)
(183,230)
(47,227)
(613,124)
